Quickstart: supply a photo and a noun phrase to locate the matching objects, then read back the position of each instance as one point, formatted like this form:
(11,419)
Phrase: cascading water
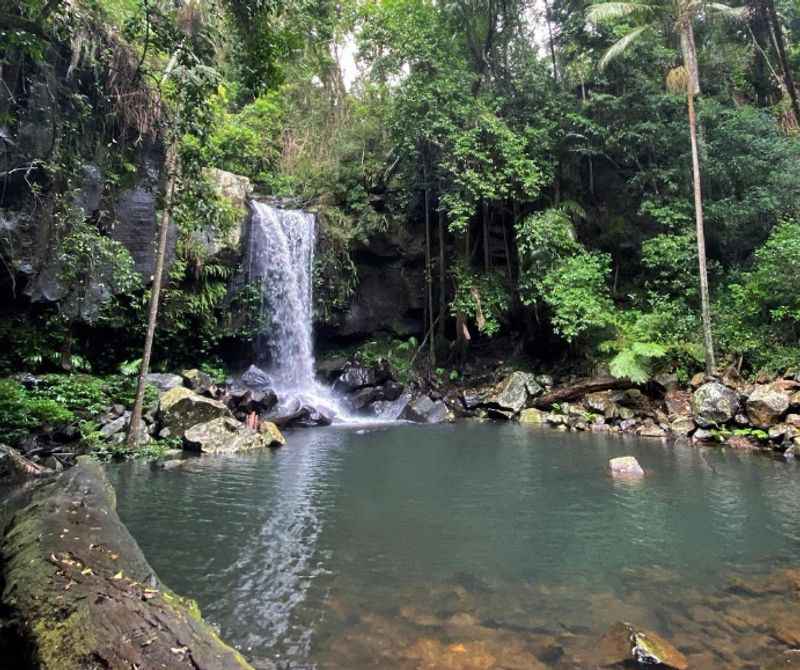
(281,261)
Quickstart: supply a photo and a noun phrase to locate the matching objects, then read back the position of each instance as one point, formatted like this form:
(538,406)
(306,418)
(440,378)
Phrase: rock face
(714,404)
(625,467)
(356,376)
(181,408)
(624,643)
(88,598)
(237,189)
(766,404)
(223,435)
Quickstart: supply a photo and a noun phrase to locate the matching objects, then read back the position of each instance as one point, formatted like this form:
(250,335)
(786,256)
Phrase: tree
(679,17)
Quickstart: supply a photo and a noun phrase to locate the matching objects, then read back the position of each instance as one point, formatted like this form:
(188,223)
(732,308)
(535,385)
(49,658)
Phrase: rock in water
(256,378)
(88,598)
(714,404)
(532,416)
(181,408)
(624,643)
(222,436)
(272,435)
(625,466)
(766,404)
(425,410)
(513,392)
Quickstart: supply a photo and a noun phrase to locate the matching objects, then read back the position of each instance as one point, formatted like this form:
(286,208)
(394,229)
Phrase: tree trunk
(486,259)
(551,40)
(170,165)
(429,272)
(780,45)
(442,275)
(690,60)
(580,389)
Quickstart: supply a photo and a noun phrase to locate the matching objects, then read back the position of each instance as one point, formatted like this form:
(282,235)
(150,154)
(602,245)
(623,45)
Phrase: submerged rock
(714,404)
(625,466)
(624,643)
(87,598)
(180,408)
(223,435)
(767,403)
(532,416)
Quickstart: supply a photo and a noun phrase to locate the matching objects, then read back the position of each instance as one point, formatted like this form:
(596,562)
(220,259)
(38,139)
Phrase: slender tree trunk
(170,165)
(429,272)
(442,275)
(548,18)
(486,259)
(780,45)
(701,241)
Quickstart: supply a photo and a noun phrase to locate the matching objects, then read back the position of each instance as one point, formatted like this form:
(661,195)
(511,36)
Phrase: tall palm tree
(678,16)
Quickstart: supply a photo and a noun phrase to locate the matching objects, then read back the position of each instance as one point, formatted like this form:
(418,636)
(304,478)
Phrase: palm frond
(621,45)
(605,11)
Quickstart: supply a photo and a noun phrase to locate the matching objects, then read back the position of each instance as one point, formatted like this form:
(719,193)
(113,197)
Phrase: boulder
(271,434)
(236,189)
(532,415)
(330,368)
(255,378)
(391,410)
(766,404)
(512,394)
(255,401)
(742,442)
(199,382)
(714,404)
(88,598)
(116,426)
(425,410)
(625,467)
(223,435)
(681,425)
(356,376)
(678,402)
(603,403)
(181,408)
(163,381)
(625,643)
(650,428)
(366,396)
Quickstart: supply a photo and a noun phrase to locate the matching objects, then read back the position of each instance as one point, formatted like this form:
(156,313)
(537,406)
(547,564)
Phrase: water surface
(474,546)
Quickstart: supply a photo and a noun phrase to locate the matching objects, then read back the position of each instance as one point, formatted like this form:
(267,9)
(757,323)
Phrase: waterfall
(281,262)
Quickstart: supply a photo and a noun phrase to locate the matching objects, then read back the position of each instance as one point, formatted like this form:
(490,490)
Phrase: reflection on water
(475,546)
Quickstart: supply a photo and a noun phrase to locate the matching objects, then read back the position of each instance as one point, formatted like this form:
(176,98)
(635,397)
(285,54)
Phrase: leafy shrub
(482,298)
(20,413)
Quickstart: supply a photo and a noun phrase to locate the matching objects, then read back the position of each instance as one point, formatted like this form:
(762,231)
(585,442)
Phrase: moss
(62,645)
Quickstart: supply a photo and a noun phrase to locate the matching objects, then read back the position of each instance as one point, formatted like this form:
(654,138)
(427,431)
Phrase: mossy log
(84,595)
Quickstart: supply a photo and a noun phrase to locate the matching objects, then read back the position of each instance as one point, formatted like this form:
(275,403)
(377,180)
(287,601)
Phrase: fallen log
(83,595)
(580,389)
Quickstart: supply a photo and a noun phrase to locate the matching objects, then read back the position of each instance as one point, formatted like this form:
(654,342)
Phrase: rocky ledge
(78,593)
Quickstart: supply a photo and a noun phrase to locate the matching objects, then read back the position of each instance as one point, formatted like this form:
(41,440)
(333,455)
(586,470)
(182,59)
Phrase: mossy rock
(181,408)
(84,594)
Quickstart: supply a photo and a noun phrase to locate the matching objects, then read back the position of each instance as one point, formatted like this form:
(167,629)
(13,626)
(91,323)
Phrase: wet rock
(678,402)
(255,378)
(602,402)
(682,425)
(84,597)
(330,368)
(703,435)
(356,376)
(512,394)
(223,435)
(624,643)
(651,429)
(256,401)
(532,416)
(199,382)
(742,442)
(181,408)
(626,467)
(789,660)
(627,425)
(392,390)
(314,416)
(365,396)
(15,466)
(271,434)
(391,410)
(714,404)
(766,404)
(425,410)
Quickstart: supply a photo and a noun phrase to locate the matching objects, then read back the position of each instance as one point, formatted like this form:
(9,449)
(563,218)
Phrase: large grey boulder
(512,394)
(766,404)
(181,408)
(714,404)
(164,381)
(356,376)
(223,435)
(425,410)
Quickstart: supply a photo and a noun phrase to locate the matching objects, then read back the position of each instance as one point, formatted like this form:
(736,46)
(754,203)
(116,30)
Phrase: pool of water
(475,546)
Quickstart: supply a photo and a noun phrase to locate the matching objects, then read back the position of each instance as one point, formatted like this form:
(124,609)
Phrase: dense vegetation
(548,179)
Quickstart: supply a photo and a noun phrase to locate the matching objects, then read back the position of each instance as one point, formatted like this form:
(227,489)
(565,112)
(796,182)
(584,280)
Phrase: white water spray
(282,261)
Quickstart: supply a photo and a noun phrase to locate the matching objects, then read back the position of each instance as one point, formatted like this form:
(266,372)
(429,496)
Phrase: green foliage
(21,412)
(399,354)
(481,298)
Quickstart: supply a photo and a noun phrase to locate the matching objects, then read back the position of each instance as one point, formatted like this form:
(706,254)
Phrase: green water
(378,548)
